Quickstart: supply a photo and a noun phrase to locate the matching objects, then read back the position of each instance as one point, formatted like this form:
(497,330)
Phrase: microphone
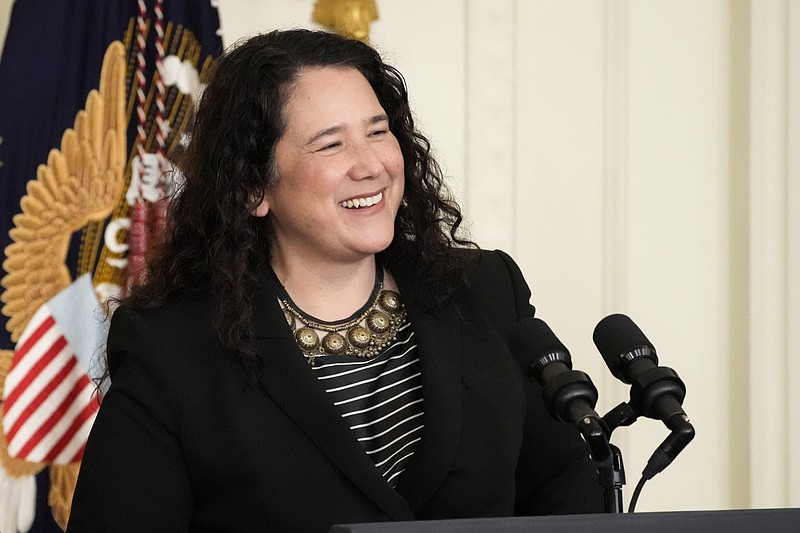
(656,392)
(569,395)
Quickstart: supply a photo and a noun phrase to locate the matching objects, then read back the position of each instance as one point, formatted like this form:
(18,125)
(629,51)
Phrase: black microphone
(656,392)
(569,395)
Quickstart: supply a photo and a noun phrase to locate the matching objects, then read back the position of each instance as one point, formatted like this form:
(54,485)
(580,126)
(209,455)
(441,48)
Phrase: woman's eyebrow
(383,117)
(378,118)
(322,133)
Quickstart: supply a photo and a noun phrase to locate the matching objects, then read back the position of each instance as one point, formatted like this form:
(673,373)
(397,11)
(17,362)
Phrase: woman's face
(339,172)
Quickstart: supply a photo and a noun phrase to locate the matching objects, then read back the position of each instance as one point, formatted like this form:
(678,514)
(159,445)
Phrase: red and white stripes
(49,404)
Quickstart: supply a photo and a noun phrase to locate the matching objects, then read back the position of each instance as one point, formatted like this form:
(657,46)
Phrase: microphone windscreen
(615,336)
(530,339)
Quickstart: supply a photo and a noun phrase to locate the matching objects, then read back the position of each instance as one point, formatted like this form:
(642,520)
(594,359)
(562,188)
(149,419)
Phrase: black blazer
(182,444)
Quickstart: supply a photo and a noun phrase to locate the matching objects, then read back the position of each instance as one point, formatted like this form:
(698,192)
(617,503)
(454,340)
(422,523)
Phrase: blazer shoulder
(172,328)
(175,314)
(497,280)
(496,262)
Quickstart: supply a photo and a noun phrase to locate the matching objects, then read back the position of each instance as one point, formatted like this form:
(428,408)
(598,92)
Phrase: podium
(736,521)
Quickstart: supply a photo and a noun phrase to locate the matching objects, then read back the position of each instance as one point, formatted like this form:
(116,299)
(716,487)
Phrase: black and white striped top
(380,399)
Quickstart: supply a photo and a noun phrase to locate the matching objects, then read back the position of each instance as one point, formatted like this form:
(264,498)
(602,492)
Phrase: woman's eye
(330,146)
(378,133)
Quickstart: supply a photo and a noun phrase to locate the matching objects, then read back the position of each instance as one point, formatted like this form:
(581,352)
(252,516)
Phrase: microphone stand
(658,383)
(613,490)
(571,395)
(608,461)
(621,415)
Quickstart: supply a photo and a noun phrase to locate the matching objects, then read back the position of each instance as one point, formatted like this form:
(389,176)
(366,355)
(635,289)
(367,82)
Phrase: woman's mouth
(358,203)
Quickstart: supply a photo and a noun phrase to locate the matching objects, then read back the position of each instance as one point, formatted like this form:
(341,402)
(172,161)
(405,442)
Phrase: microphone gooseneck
(569,394)
(656,392)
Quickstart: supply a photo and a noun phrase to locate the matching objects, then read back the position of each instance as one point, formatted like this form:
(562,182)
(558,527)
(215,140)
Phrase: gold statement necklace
(364,334)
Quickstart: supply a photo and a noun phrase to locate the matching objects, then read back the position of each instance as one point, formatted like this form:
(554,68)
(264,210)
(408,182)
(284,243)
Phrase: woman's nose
(366,162)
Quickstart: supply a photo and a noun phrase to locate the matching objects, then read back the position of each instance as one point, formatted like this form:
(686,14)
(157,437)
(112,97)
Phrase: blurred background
(634,156)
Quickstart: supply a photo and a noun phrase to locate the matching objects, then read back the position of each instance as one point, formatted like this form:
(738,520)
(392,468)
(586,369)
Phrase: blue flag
(94,98)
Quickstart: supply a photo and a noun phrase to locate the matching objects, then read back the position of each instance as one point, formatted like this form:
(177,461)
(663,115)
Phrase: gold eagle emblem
(349,18)
(82,187)
(82,181)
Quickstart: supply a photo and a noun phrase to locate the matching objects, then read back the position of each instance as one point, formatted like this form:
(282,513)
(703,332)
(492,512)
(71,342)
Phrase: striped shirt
(380,399)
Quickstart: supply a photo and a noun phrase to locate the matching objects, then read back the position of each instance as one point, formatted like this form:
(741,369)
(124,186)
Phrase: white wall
(608,145)
(638,157)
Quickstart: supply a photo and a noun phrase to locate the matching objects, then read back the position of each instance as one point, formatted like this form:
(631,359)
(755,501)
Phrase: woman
(314,343)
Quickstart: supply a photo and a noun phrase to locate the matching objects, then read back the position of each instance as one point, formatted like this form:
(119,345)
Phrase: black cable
(636,493)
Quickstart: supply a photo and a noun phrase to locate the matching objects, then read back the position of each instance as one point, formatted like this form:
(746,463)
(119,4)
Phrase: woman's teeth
(357,203)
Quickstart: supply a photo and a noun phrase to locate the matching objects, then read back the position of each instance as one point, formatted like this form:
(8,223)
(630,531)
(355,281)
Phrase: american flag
(50,400)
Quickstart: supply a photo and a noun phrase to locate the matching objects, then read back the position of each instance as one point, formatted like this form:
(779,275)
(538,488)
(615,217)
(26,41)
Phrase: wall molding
(615,153)
(793,253)
(770,379)
(489,183)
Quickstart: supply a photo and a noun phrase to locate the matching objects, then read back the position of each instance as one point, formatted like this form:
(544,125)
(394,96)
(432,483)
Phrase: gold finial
(349,18)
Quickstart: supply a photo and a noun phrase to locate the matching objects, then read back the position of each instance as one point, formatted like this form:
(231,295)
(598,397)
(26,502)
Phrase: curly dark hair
(215,246)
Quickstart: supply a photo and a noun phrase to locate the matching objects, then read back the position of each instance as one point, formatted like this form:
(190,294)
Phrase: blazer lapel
(289,382)
(438,334)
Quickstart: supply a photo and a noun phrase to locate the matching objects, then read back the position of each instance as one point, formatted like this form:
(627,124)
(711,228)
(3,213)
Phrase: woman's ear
(261,209)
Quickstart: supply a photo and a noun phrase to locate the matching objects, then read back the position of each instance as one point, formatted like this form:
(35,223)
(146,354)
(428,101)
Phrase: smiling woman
(315,343)
(338,167)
